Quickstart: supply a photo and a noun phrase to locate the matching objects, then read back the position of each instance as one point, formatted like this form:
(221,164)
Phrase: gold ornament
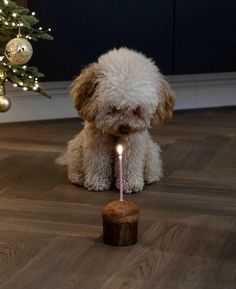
(5,103)
(18,51)
(2,74)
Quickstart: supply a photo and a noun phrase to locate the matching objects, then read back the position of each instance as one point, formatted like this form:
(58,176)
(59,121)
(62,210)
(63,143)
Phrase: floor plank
(51,230)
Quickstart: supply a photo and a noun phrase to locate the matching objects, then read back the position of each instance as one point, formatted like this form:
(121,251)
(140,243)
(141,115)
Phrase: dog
(119,97)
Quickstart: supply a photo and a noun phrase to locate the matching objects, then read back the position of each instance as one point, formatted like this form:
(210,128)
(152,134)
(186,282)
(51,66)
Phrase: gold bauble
(18,51)
(2,74)
(5,103)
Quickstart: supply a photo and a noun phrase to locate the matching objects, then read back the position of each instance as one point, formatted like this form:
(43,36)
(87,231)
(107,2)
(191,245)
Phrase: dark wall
(205,36)
(181,36)
(84,29)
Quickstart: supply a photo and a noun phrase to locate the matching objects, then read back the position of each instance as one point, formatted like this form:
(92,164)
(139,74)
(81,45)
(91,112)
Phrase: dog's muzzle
(124,129)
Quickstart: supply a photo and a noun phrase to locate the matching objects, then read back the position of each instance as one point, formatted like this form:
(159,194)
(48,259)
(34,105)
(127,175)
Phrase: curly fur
(119,97)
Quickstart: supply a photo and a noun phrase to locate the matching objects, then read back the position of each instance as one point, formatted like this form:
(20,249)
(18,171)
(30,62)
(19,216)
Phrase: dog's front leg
(75,159)
(98,161)
(133,163)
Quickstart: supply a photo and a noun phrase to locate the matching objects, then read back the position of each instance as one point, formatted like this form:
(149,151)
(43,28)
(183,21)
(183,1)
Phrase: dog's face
(123,93)
(121,121)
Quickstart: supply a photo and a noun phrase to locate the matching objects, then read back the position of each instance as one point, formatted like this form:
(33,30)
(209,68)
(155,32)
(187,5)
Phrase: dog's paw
(96,184)
(76,179)
(135,188)
(150,180)
(153,178)
(132,187)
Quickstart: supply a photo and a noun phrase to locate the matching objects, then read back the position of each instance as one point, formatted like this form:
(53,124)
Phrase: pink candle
(120,151)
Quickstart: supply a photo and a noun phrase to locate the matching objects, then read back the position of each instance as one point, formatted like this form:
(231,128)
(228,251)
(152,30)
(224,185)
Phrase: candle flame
(119,150)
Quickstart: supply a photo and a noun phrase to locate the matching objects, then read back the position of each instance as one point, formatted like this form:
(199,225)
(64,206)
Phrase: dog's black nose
(124,129)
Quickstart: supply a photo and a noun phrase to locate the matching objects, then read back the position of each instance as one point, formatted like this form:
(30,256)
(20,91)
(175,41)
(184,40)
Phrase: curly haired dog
(119,97)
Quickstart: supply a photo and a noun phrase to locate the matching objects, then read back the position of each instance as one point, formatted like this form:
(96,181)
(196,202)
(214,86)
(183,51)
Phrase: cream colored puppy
(119,97)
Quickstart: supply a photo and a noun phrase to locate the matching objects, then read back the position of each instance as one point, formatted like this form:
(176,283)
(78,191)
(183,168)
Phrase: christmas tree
(17,28)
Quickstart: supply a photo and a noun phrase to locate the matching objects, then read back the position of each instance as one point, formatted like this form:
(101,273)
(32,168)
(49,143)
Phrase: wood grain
(51,230)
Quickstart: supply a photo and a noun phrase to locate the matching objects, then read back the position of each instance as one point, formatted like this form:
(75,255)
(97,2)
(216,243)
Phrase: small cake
(120,223)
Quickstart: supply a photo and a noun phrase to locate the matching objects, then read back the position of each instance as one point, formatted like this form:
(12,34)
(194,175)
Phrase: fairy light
(1,58)
(25,88)
(36,86)
(6,23)
(21,83)
(14,70)
(24,67)
(13,24)
(30,76)
(6,2)
(0,10)
(49,29)
(15,85)
(40,28)
(14,14)
(33,13)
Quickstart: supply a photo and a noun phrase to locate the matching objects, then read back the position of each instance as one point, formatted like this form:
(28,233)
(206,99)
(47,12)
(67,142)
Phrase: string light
(13,24)
(6,2)
(6,23)
(15,85)
(24,67)
(21,83)
(33,13)
(25,88)
(14,14)
(40,28)
(49,29)
(0,10)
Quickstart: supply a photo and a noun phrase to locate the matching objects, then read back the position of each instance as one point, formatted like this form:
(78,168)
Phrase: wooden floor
(50,230)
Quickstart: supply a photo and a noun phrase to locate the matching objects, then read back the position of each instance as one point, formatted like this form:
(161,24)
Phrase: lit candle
(120,151)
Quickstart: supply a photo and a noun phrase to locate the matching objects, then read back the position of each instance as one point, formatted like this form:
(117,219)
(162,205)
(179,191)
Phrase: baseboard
(204,90)
(192,91)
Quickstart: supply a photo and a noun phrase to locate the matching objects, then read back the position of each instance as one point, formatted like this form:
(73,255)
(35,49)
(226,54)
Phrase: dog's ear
(165,105)
(83,93)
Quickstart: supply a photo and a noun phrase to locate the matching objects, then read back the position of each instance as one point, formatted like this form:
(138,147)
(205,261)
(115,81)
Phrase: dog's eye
(114,110)
(137,111)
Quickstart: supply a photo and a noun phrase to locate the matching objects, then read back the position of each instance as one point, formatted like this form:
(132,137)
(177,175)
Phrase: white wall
(192,91)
